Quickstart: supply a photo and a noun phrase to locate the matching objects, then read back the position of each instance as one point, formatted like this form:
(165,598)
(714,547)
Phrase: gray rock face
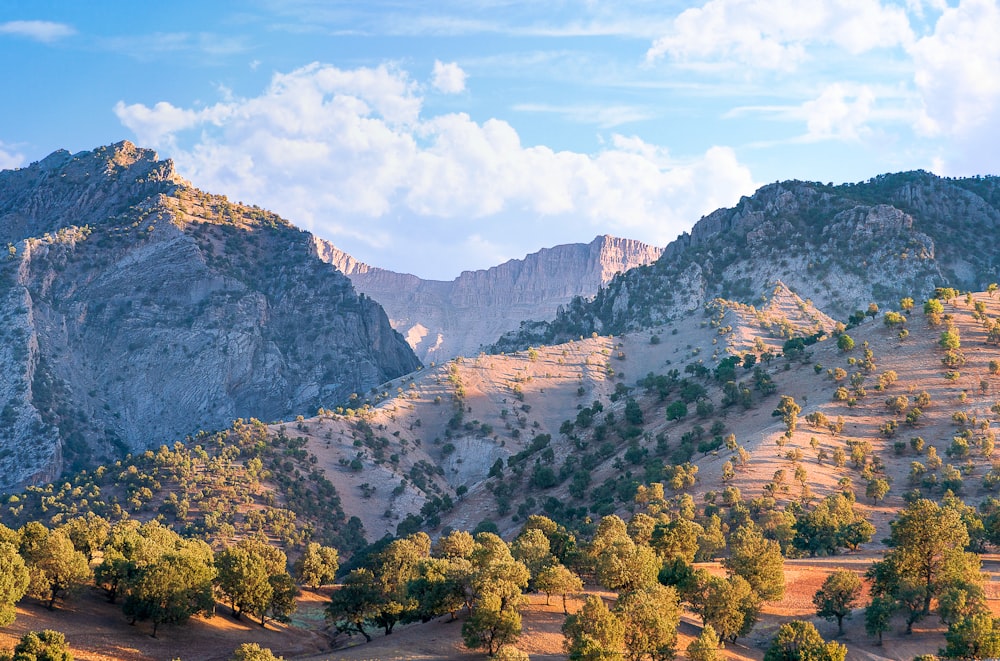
(139,310)
(444,319)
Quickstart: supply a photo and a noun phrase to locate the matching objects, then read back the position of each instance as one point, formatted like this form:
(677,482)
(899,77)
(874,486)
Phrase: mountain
(893,236)
(138,309)
(442,320)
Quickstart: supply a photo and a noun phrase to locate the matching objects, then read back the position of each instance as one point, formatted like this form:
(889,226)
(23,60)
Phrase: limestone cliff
(138,309)
(445,319)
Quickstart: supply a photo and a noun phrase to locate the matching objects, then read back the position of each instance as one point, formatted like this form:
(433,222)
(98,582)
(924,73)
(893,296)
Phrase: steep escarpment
(841,247)
(139,309)
(444,319)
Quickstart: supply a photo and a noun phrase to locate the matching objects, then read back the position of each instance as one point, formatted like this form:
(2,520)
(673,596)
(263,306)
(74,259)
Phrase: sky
(436,137)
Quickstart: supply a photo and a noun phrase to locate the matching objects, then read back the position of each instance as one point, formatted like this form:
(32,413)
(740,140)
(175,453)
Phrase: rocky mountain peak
(137,309)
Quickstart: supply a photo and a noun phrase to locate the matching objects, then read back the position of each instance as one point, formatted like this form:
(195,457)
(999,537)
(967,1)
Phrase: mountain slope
(445,319)
(139,309)
(842,247)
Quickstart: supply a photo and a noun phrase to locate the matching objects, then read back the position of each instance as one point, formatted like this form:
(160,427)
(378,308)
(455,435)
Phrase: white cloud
(775,34)
(43,31)
(448,78)
(10,159)
(840,112)
(956,75)
(958,69)
(604,117)
(348,154)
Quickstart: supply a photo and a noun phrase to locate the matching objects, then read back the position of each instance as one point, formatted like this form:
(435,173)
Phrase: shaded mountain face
(138,309)
(442,320)
(841,247)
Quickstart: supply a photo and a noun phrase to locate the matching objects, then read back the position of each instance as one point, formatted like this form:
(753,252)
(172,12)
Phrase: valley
(200,401)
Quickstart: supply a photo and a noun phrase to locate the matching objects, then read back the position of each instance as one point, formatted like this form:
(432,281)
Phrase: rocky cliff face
(139,309)
(841,247)
(445,319)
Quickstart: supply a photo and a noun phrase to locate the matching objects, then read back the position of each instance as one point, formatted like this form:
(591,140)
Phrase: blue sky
(432,137)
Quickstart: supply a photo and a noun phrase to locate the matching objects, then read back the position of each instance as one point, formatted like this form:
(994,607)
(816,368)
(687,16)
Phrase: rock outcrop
(138,310)
(442,320)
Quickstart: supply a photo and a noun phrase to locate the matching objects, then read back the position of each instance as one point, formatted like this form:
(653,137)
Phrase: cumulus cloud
(841,111)
(349,154)
(448,78)
(775,34)
(10,159)
(43,31)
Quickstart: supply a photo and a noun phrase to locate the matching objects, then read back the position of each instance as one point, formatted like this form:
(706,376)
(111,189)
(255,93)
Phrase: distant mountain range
(442,320)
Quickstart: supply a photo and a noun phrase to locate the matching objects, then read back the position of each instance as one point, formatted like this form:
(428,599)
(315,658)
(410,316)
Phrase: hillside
(838,246)
(441,320)
(139,309)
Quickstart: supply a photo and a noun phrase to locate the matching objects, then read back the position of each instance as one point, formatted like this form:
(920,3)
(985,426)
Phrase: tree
(973,637)
(927,559)
(355,603)
(758,560)
(594,633)
(651,616)
(878,614)
(318,565)
(627,566)
(872,310)
(677,410)
(47,645)
(845,343)
(13,582)
(800,641)
(906,304)
(837,596)
(730,605)
(877,489)
(245,573)
(254,652)
(56,568)
(175,586)
(789,412)
(557,579)
(496,581)
(705,647)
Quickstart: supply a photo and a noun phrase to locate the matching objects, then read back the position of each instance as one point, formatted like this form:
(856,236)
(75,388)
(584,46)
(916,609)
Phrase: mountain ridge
(442,319)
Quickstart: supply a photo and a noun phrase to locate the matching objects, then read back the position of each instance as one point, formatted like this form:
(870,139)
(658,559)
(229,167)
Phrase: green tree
(800,641)
(244,576)
(877,489)
(175,586)
(651,617)
(789,411)
(594,633)
(627,566)
(496,582)
(758,560)
(13,582)
(845,343)
(47,645)
(705,647)
(317,566)
(354,605)
(730,604)
(837,597)
(878,615)
(973,637)
(557,579)
(254,652)
(56,569)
